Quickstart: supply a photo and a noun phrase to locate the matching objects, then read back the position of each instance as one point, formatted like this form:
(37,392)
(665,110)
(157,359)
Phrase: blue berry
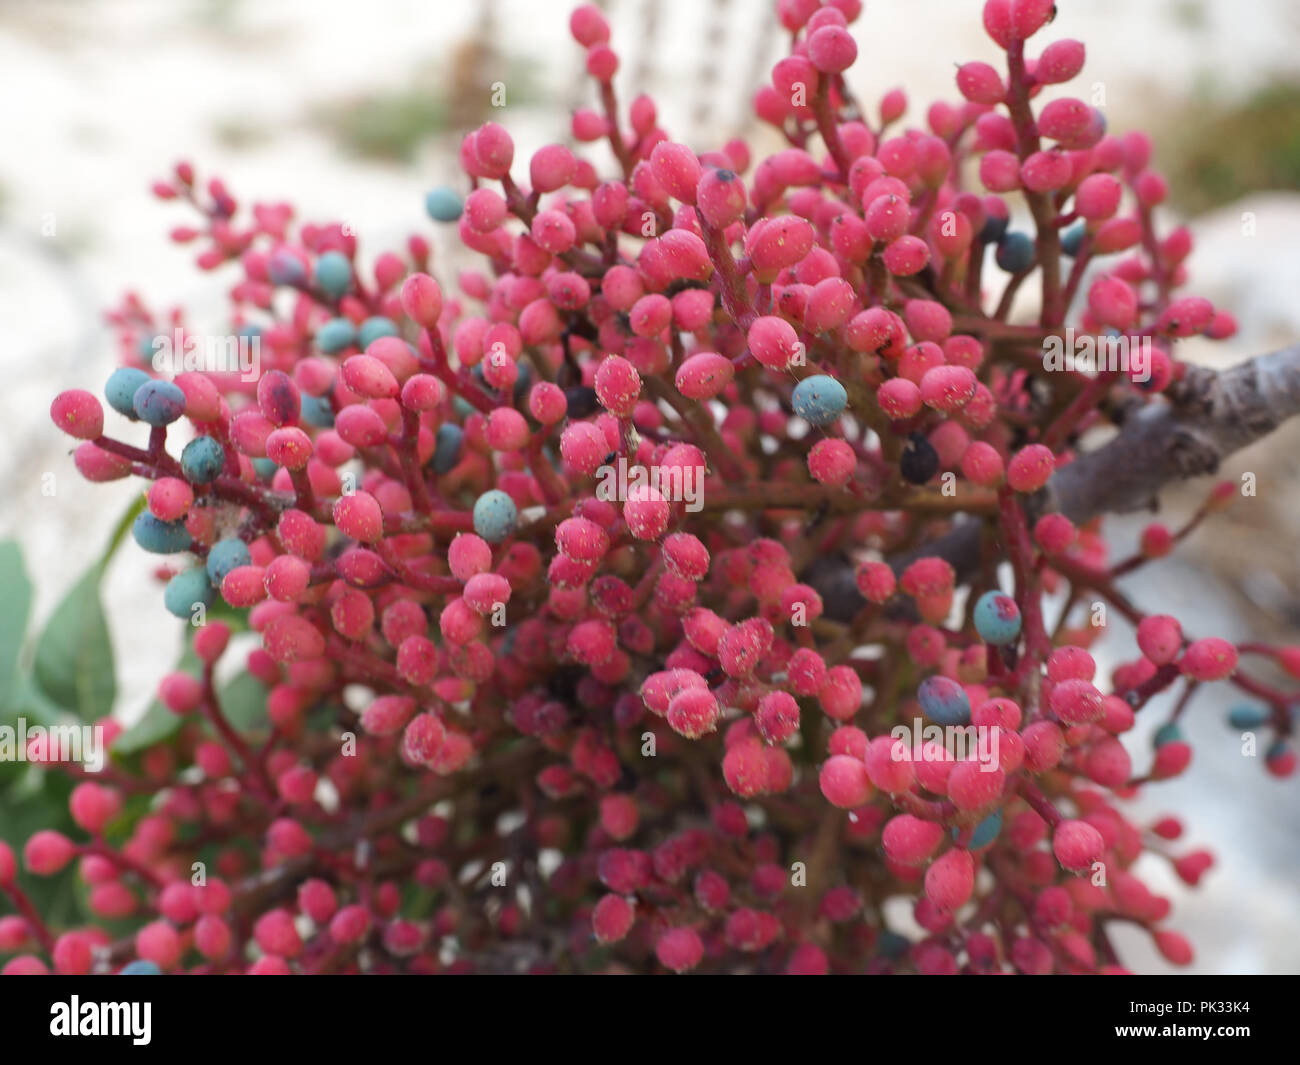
(993,229)
(264,468)
(1169,733)
(335,335)
(160,537)
(1015,252)
(333,274)
(374,328)
(1072,238)
(285,268)
(819,399)
(997,618)
(202,460)
(1245,718)
(891,944)
(226,555)
(140,967)
(316,410)
(443,204)
(985,832)
(944,701)
(495,516)
(446,447)
(121,389)
(158,402)
(186,590)
(919,460)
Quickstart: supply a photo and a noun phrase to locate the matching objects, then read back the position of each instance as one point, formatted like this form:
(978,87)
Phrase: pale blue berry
(495,516)
(819,399)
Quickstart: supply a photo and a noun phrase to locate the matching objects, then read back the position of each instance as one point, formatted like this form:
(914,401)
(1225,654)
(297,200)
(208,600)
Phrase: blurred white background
(353,110)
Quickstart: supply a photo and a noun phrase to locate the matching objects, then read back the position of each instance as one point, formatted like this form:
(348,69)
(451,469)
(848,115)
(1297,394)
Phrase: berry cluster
(524,713)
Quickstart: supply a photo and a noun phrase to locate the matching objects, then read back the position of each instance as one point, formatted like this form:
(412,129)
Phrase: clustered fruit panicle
(518,719)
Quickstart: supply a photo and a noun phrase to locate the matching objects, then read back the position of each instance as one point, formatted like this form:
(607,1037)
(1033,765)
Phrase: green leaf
(243,702)
(157,723)
(16,595)
(235,617)
(31,702)
(39,799)
(121,529)
(74,656)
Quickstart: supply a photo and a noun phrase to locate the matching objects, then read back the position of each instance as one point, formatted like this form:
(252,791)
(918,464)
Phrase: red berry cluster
(549,681)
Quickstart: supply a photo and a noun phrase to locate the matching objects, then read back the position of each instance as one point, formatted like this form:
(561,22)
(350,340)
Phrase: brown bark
(1201,421)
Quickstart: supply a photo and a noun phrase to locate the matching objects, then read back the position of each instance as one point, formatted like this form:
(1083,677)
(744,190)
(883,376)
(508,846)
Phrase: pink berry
(1030,468)
(1209,659)
(974,785)
(693,712)
(1160,637)
(888,765)
(832,462)
(1077,845)
(1060,61)
(980,83)
(618,386)
(950,880)
(948,388)
(982,465)
(360,517)
(777,243)
(906,256)
(646,512)
(612,918)
(679,949)
(720,197)
(841,695)
(1076,702)
(93,806)
(704,375)
(78,413)
(170,498)
(159,943)
(1097,197)
(909,840)
(1055,533)
(46,852)
(1045,171)
(1112,302)
(832,49)
(773,342)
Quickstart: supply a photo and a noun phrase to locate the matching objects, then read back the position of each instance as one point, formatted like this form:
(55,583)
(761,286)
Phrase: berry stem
(31,915)
(253,767)
(1040,803)
(1048,240)
(828,130)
